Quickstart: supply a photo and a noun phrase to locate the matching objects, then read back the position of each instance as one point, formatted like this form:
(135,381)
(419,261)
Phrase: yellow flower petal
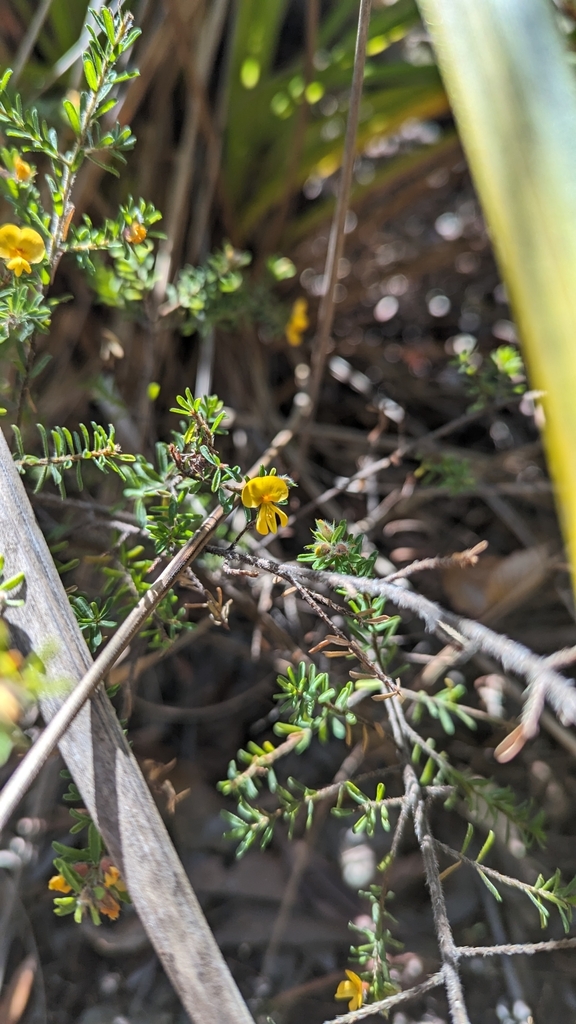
(111,876)
(264,489)
(298,322)
(9,235)
(300,313)
(293,336)
(345,990)
(19,265)
(352,989)
(32,245)
(21,247)
(266,518)
(262,520)
(59,884)
(281,515)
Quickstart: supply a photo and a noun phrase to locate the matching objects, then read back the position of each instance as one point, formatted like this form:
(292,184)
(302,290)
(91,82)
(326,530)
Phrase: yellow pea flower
(20,247)
(59,883)
(261,493)
(298,323)
(353,989)
(22,171)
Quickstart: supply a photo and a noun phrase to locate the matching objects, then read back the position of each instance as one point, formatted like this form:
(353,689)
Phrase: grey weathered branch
(517,948)
(415,802)
(543,681)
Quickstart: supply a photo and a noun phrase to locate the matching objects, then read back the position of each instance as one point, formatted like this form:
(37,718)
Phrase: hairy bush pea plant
(160,504)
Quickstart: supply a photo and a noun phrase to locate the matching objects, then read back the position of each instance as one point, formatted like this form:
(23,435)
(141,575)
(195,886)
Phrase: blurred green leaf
(514,96)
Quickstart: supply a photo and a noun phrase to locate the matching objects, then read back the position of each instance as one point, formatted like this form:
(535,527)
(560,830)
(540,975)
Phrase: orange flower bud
(135,233)
(23,172)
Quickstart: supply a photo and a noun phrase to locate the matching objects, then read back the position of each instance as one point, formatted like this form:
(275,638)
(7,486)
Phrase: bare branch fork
(544,683)
(436,980)
(416,805)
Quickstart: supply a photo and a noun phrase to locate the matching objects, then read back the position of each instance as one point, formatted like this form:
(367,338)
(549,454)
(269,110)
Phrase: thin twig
(509,880)
(352,646)
(260,763)
(446,943)
(188,53)
(517,948)
(499,937)
(461,559)
(565,737)
(312,15)
(198,233)
(415,802)
(207,712)
(405,448)
(29,41)
(336,241)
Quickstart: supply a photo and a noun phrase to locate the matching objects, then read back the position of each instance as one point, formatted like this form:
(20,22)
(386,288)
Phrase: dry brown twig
(406,447)
(461,559)
(336,240)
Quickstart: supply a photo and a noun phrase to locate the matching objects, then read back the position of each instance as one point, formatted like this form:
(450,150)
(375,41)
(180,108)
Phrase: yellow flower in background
(135,233)
(352,989)
(59,883)
(20,247)
(298,323)
(23,172)
(10,709)
(261,493)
